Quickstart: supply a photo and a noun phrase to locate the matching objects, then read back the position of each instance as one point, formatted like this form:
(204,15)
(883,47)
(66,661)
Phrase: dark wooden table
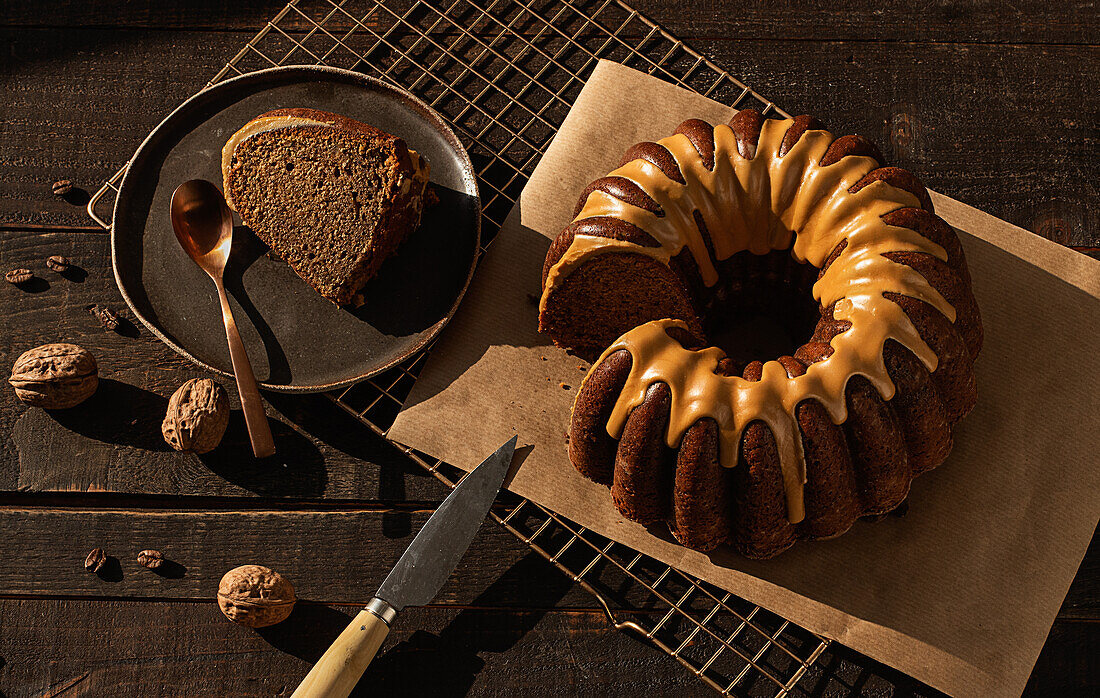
(992,103)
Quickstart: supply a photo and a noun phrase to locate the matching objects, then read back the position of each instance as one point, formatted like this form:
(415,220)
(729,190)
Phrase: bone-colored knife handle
(343,663)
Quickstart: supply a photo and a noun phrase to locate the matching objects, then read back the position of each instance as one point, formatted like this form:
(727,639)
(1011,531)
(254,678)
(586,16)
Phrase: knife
(414,580)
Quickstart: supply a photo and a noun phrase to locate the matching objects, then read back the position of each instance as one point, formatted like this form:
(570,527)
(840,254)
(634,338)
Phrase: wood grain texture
(83,648)
(339,553)
(978,21)
(337,556)
(90,648)
(984,100)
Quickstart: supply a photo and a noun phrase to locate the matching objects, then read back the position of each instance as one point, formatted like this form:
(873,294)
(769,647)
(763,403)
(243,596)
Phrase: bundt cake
(771,217)
(332,196)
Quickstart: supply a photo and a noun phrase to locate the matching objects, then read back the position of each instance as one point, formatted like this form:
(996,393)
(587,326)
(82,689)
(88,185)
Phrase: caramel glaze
(784,193)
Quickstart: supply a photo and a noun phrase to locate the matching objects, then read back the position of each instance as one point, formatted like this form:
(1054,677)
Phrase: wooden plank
(929,106)
(1083,599)
(330,555)
(78,102)
(1069,664)
(337,554)
(1029,21)
(83,648)
(127,648)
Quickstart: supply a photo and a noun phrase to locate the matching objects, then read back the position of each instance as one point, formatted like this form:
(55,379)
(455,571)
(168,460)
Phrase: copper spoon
(204,227)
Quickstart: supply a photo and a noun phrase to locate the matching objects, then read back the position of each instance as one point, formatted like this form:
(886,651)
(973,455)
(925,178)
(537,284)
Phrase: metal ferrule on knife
(385,612)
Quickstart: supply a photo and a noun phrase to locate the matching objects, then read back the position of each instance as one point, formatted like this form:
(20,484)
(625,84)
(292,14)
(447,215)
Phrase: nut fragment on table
(150,558)
(197,416)
(55,376)
(255,596)
(19,276)
(95,560)
(62,187)
(58,263)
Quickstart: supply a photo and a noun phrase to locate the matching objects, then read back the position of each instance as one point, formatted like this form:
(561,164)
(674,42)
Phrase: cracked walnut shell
(255,596)
(197,416)
(55,376)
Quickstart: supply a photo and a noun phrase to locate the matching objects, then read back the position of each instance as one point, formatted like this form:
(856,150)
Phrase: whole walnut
(55,376)
(255,596)
(197,416)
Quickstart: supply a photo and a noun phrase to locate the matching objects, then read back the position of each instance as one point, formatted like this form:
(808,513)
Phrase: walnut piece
(255,596)
(55,376)
(197,416)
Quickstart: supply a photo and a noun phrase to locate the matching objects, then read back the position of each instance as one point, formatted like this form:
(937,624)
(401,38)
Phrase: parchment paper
(961,592)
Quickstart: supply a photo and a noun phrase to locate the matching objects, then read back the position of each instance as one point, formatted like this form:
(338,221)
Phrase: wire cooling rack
(504,73)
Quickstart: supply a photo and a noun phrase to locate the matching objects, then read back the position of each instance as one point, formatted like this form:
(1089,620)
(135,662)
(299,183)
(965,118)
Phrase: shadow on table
(296,470)
(308,631)
(843,671)
(111,570)
(500,310)
(446,663)
(322,419)
(118,413)
(443,663)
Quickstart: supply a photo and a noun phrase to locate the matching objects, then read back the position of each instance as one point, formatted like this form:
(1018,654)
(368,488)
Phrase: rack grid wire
(504,73)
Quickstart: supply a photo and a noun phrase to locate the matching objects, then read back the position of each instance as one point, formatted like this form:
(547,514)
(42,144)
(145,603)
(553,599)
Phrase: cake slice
(332,196)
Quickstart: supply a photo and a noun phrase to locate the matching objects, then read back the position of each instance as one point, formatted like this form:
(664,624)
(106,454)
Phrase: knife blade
(414,580)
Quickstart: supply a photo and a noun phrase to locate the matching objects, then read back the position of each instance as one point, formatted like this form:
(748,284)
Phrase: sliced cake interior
(332,196)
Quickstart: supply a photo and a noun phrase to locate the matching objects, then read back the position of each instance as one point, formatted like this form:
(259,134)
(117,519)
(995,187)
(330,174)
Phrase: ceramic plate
(297,341)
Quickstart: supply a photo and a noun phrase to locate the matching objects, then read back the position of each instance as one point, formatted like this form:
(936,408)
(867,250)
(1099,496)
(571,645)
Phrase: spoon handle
(259,431)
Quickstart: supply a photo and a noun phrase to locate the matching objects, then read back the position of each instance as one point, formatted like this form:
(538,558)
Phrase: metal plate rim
(470,179)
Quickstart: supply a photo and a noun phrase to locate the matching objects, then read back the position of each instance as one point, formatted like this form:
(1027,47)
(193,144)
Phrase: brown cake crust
(860,467)
(761,528)
(702,490)
(399,207)
(590,446)
(643,464)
